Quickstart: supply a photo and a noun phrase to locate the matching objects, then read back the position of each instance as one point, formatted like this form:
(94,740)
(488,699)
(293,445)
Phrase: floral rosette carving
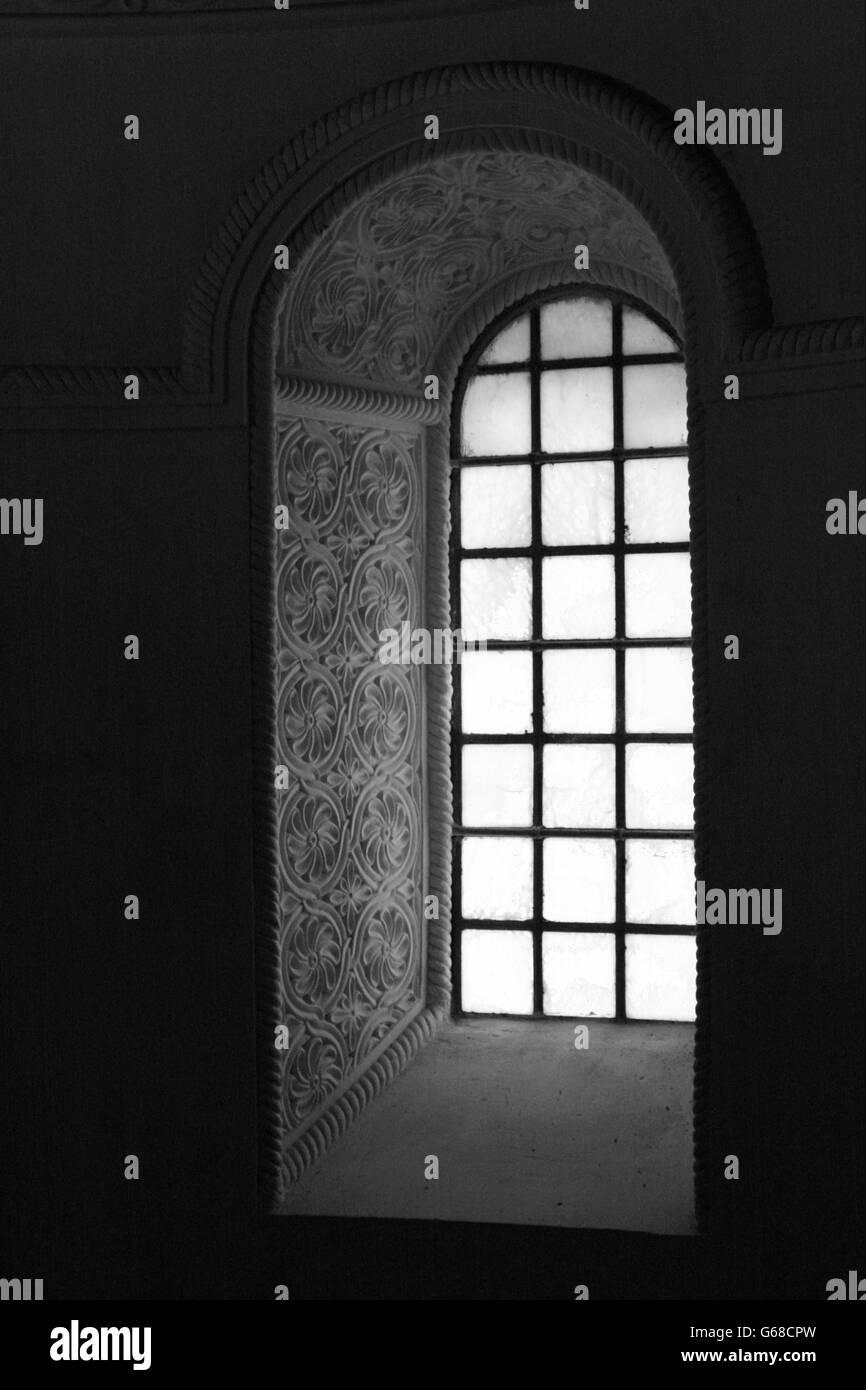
(310,719)
(382,594)
(314,958)
(315,1069)
(385,834)
(310,597)
(384,951)
(311,473)
(383,484)
(312,840)
(383,716)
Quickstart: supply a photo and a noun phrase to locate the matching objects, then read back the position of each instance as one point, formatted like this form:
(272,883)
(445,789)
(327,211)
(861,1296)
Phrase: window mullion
(537,683)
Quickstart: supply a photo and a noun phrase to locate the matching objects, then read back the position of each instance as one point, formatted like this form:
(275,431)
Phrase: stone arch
(684,247)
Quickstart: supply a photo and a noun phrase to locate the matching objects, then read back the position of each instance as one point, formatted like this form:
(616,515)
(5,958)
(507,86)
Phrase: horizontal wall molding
(825,355)
(369,137)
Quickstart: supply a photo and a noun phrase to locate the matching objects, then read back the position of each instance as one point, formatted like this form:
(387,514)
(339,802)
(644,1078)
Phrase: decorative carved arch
(622,136)
(683,198)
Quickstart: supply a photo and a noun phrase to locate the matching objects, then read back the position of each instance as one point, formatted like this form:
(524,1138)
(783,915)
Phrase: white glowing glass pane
(579,880)
(495,506)
(640,334)
(656,500)
(579,691)
(579,786)
(495,599)
(496,881)
(658,596)
(497,784)
(576,409)
(654,406)
(496,692)
(496,415)
(576,328)
(659,786)
(660,977)
(579,974)
(660,882)
(578,596)
(496,972)
(511,345)
(658,690)
(577,504)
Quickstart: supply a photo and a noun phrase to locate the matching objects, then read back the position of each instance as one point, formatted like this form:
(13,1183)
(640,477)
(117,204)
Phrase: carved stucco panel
(372,300)
(349,730)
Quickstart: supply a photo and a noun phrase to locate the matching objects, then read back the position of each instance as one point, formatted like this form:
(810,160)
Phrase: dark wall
(138,1037)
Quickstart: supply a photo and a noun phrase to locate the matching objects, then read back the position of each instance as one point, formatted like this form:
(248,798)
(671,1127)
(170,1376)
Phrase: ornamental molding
(619,136)
(616,137)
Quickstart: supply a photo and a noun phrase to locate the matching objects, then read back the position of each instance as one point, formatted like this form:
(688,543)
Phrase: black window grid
(619,643)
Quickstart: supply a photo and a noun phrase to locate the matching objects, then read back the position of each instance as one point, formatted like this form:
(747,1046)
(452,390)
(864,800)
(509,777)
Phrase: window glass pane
(659,786)
(497,784)
(577,503)
(578,970)
(496,968)
(658,598)
(497,877)
(511,345)
(656,500)
(576,409)
(579,691)
(496,692)
(495,506)
(660,977)
(577,596)
(576,328)
(658,690)
(579,880)
(640,334)
(495,599)
(660,882)
(654,406)
(580,786)
(496,415)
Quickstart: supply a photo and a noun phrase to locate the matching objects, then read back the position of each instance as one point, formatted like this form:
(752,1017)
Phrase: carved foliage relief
(349,731)
(372,300)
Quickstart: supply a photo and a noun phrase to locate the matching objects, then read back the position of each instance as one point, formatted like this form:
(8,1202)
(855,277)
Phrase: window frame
(537,738)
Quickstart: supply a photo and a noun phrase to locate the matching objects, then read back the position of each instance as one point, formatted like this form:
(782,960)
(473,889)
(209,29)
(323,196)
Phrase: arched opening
(390,283)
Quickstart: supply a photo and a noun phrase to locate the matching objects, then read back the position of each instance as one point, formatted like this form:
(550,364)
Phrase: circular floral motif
(382,717)
(314,958)
(385,948)
(381,595)
(311,718)
(312,839)
(384,488)
(317,1069)
(311,470)
(385,834)
(310,590)
(340,315)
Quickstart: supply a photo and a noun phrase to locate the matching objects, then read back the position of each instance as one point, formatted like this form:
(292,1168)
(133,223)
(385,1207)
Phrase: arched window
(572,729)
